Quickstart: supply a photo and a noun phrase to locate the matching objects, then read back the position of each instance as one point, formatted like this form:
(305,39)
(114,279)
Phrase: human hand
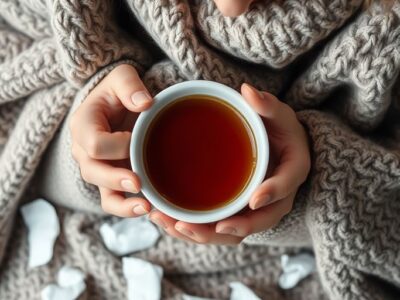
(101,131)
(273,199)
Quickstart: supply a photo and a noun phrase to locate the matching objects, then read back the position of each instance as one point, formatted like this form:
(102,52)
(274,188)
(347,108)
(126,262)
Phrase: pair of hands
(101,130)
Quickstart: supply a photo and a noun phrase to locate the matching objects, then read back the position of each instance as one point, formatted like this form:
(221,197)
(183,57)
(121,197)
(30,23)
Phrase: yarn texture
(335,63)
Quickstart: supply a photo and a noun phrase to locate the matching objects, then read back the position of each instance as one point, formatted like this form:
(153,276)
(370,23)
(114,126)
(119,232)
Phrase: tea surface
(199,153)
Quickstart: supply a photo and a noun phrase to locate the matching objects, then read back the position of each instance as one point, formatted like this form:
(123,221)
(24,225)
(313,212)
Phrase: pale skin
(101,130)
(233,8)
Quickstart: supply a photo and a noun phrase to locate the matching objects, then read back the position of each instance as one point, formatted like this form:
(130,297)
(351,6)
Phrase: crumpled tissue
(241,292)
(295,268)
(129,235)
(70,285)
(143,277)
(41,219)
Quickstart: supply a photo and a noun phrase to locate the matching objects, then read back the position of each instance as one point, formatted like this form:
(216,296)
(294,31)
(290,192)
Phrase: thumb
(129,88)
(268,106)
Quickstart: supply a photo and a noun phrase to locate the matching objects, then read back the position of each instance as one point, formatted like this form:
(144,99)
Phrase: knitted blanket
(333,61)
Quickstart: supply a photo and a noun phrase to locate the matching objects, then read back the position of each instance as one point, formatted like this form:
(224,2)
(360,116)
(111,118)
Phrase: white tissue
(70,285)
(129,235)
(144,279)
(241,292)
(41,219)
(295,268)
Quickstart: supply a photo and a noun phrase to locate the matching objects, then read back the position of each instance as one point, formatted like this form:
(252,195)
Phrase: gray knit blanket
(335,62)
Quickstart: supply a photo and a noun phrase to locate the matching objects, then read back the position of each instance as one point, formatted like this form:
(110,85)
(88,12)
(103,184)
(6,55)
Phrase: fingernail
(226,230)
(185,231)
(141,98)
(159,223)
(139,210)
(262,201)
(128,186)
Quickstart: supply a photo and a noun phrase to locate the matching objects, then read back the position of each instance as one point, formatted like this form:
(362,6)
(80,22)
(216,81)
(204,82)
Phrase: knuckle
(203,239)
(124,67)
(286,107)
(93,146)
(288,111)
(130,81)
(126,73)
(110,97)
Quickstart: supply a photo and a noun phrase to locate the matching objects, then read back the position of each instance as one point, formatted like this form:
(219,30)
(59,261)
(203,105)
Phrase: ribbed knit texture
(336,64)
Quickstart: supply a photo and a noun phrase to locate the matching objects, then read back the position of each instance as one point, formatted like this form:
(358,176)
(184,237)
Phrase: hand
(101,131)
(274,198)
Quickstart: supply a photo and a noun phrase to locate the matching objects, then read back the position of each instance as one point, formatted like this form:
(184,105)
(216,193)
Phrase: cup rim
(233,98)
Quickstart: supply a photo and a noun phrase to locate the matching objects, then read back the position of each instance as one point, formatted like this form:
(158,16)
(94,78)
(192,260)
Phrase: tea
(199,153)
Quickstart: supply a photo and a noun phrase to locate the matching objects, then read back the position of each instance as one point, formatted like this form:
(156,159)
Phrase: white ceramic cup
(224,93)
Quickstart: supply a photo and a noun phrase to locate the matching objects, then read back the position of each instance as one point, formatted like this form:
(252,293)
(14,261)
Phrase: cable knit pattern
(365,58)
(364,217)
(293,27)
(88,39)
(194,60)
(8,117)
(11,42)
(33,69)
(24,19)
(52,54)
(35,127)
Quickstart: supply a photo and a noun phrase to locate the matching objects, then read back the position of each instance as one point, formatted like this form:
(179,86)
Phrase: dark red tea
(199,153)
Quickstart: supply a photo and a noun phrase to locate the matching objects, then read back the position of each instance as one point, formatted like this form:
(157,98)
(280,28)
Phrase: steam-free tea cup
(200,151)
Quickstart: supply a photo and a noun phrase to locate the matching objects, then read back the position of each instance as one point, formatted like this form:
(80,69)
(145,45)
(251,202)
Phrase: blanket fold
(334,62)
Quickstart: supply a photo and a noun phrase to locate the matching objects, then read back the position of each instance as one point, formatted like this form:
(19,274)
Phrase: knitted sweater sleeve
(59,177)
(87,44)
(348,209)
(356,76)
(47,51)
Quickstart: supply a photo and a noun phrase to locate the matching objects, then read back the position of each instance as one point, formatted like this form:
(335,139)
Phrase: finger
(168,224)
(127,86)
(103,174)
(268,106)
(116,204)
(91,131)
(285,179)
(171,226)
(206,234)
(256,221)
(201,233)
